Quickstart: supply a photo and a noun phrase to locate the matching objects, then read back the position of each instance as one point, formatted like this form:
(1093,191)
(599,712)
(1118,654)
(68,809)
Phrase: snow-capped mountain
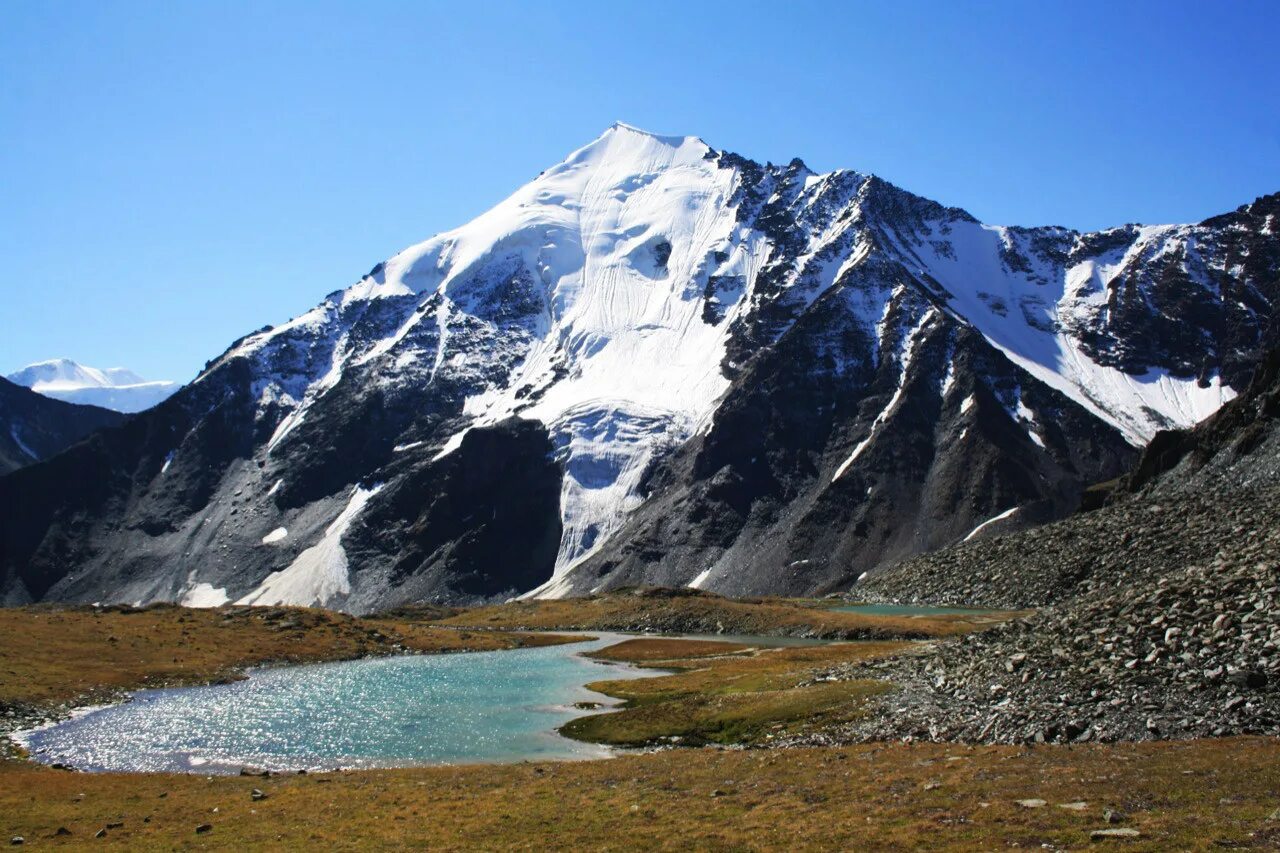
(33,427)
(660,363)
(112,388)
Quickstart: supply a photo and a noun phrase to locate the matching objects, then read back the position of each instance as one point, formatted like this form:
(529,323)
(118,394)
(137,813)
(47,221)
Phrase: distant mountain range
(113,388)
(33,427)
(658,363)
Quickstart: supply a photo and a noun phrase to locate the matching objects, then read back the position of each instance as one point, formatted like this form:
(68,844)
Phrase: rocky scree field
(1164,614)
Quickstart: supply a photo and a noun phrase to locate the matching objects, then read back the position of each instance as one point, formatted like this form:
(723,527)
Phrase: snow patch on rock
(701,580)
(1008,513)
(908,351)
(983,292)
(319,574)
(22,445)
(275,536)
(205,595)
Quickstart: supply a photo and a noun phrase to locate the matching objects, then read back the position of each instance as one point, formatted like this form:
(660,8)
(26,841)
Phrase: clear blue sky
(175,174)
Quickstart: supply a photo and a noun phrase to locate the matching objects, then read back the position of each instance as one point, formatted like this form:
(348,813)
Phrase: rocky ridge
(1113,548)
(1164,613)
(1193,494)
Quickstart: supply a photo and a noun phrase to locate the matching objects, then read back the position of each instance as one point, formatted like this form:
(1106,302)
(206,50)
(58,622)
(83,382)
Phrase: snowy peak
(622,128)
(544,307)
(65,374)
(623,149)
(612,243)
(616,297)
(704,369)
(116,388)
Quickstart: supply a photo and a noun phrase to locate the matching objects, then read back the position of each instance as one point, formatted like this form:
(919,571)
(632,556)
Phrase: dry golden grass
(734,698)
(728,718)
(766,669)
(51,655)
(1198,795)
(686,612)
(1180,796)
(646,649)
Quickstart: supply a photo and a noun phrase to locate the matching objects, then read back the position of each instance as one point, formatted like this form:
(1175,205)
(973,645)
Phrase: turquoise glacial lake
(399,711)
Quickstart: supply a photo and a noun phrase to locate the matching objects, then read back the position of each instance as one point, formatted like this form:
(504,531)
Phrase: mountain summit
(659,362)
(114,388)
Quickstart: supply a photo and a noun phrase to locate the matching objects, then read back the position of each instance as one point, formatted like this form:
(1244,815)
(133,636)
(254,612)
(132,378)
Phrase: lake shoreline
(168,627)
(45,743)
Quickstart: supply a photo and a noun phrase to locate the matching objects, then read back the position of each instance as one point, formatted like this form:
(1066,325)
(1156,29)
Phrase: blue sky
(174,175)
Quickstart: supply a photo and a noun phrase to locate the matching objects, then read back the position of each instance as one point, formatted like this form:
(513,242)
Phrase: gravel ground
(1194,654)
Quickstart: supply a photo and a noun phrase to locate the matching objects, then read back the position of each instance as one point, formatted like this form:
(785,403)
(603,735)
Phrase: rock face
(1166,613)
(759,511)
(33,427)
(478,523)
(740,377)
(1193,495)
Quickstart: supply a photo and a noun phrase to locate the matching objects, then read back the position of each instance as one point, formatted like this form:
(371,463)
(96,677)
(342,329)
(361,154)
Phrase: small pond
(427,709)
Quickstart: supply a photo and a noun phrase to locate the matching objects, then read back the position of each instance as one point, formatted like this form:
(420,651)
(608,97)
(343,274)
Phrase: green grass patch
(727,717)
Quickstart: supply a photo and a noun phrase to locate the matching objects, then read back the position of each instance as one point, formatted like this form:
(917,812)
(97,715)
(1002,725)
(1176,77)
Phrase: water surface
(428,709)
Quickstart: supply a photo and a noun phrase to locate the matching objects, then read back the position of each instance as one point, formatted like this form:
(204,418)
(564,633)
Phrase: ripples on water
(431,709)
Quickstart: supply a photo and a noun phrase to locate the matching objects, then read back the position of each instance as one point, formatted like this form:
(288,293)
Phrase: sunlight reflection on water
(429,709)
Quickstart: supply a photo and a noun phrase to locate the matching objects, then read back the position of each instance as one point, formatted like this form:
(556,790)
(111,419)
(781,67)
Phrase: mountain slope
(34,428)
(113,388)
(739,376)
(1194,496)
(1161,611)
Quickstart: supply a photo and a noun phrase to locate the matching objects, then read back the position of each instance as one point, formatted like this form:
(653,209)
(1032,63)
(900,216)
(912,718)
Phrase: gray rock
(1123,833)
